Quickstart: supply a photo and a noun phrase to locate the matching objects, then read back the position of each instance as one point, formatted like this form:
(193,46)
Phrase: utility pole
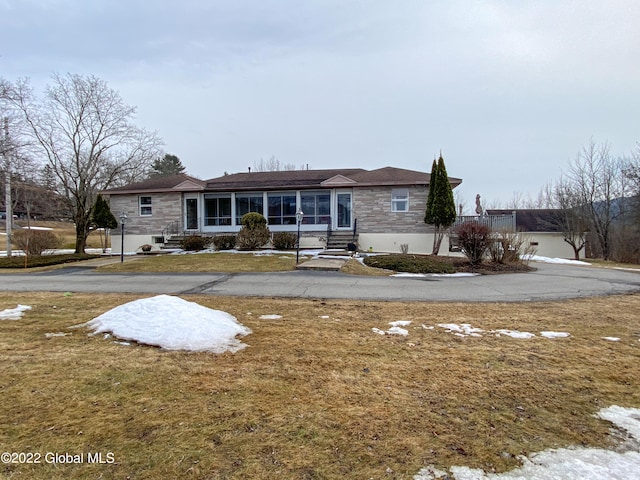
(7,185)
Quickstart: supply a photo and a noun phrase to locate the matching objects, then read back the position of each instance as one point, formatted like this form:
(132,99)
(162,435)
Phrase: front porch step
(340,240)
(173,242)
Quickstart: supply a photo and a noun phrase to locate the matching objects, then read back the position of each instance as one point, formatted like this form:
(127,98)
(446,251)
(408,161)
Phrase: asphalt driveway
(549,282)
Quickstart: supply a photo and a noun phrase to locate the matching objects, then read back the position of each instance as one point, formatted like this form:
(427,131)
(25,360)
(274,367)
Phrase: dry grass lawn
(207,262)
(312,397)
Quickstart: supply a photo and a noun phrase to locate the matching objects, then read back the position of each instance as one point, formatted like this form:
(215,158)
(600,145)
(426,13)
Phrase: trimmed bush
(253,220)
(195,242)
(224,242)
(19,261)
(254,232)
(474,238)
(410,263)
(35,242)
(284,240)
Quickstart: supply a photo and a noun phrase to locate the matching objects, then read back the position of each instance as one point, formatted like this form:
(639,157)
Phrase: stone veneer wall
(165,208)
(372,208)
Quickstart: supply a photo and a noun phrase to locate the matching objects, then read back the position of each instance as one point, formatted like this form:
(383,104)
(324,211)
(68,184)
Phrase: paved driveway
(550,282)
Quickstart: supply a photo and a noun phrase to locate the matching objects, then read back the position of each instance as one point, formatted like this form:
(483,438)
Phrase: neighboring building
(378,209)
(543,229)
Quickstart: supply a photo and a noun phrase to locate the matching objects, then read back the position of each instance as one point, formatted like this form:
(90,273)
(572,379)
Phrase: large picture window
(282,209)
(316,207)
(246,203)
(400,200)
(217,210)
(145,206)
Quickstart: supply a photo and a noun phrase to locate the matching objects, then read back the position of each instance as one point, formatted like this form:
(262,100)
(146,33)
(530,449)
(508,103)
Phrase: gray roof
(168,183)
(286,179)
(347,177)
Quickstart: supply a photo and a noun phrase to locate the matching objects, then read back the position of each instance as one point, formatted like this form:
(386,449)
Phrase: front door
(343,201)
(191,210)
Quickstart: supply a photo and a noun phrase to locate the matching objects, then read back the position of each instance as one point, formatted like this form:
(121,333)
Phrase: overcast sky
(509,91)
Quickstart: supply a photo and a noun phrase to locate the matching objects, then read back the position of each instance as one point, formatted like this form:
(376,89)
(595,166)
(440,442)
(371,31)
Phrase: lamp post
(299,216)
(123,220)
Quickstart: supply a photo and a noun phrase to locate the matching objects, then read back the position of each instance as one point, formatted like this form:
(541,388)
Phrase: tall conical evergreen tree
(102,217)
(441,207)
(431,194)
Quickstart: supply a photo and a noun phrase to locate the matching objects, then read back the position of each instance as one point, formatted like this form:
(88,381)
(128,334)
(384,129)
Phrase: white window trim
(399,195)
(147,205)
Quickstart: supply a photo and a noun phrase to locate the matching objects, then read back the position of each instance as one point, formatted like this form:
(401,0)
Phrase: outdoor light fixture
(123,220)
(299,217)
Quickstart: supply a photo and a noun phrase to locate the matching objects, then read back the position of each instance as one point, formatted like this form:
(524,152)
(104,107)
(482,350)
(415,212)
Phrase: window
(282,209)
(316,207)
(400,200)
(217,210)
(246,203)
(145,205)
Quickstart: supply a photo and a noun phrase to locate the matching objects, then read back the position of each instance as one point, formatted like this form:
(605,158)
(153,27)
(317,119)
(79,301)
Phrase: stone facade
(165,209)
(372,208)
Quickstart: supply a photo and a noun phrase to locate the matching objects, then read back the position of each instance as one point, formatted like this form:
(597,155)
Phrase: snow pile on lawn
(567,463)
(14,313)
(173,324)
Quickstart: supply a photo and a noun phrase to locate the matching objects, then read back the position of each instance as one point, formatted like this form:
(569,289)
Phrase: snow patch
(566,463)
(395,328)
(563,261)
(173,324)
(514,333)
(555,334)
(464,329)
(14,313)
(425,275)
(270,317)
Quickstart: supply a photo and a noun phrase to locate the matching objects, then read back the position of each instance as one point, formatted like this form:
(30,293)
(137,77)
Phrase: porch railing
(171,229)
(494,222)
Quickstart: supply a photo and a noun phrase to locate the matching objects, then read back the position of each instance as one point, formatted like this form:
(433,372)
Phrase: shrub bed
(43,260)
(435,264)
(411,263)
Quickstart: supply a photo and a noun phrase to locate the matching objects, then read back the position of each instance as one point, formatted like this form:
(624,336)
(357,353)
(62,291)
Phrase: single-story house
(542,228)
(379,210)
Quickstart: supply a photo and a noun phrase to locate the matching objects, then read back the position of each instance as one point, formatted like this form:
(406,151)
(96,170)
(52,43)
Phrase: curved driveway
(549,282)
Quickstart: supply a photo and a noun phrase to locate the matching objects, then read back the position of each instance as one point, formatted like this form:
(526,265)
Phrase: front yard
(317,394)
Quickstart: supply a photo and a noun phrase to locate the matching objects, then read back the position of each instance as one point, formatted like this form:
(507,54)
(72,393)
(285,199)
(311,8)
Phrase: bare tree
(273,164)
(597,180)
(86,133)
(14,153)
(572,217)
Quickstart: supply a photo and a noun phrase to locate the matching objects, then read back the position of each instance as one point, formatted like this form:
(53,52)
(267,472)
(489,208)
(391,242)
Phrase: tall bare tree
(572,218)
(86,132)
(598,181)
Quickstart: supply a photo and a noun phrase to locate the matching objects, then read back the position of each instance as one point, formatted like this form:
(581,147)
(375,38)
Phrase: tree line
(58,149)
(597,198)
